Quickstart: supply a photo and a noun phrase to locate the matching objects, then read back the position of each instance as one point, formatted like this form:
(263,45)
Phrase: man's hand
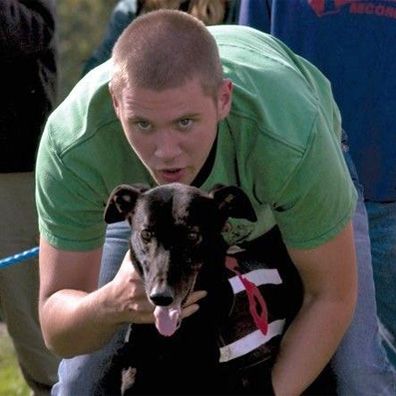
(127,295)
(72,308)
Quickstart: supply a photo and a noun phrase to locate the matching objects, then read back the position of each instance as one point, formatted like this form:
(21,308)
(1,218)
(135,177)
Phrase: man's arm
(78,318)
(329,277)
(75,317)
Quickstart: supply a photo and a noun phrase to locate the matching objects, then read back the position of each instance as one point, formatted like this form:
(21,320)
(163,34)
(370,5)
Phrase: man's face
(172,131)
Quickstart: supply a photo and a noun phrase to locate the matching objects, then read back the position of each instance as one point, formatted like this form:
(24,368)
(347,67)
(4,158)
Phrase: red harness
(255,298)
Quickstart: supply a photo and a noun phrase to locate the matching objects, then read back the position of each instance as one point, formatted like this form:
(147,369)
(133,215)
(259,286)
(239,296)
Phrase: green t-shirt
(280,143)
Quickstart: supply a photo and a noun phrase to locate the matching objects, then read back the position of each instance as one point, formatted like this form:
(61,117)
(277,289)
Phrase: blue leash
(17,258)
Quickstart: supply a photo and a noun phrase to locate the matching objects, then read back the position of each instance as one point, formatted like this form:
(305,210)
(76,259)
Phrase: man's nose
(167,145)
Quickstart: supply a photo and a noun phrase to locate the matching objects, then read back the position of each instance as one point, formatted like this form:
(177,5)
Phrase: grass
(11,380)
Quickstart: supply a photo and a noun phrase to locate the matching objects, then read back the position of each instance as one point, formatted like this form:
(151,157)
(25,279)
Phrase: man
(269,125)
(28,75)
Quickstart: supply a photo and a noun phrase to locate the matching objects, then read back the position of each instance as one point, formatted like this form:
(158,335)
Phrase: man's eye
(143,125)
(185,123)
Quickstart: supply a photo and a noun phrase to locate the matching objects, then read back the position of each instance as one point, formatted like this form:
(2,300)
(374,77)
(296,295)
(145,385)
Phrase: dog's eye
(146,235)
(194,237)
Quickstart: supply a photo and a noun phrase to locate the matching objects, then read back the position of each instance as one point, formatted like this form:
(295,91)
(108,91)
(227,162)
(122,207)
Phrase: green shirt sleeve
(319,198)
(66,202)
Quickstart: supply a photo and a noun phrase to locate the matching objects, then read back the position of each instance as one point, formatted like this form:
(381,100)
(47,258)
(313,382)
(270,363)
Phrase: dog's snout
(162,298)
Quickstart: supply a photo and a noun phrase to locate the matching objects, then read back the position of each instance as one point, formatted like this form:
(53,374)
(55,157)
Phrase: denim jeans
(360,362)
(382,221)
(78,376)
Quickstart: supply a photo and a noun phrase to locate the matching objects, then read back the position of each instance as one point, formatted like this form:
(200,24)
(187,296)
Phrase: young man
(268,124)
(28,80)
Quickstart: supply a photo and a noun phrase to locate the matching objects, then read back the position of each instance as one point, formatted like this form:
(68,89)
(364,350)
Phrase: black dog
(177,246)
(177,231)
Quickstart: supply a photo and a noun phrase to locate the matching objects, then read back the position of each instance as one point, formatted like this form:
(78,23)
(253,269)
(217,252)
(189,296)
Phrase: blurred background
(81,27)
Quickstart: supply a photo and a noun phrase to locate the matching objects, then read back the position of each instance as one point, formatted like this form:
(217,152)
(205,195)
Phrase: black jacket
(28,79)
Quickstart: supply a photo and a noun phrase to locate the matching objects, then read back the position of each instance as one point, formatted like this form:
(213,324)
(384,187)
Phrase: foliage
(11,380)
(81,27)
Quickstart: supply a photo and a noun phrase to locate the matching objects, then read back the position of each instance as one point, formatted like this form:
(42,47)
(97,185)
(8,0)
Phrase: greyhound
(177,246)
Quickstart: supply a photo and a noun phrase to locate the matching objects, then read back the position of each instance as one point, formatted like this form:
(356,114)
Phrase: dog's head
(176,229)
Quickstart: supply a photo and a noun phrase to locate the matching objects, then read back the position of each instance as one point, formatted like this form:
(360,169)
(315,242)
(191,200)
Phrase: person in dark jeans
(28,80)
(352,44)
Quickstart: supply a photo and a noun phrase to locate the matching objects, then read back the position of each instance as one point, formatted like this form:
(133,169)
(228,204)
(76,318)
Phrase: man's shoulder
(241,33)
(280,111)
(237,39)
(275,89)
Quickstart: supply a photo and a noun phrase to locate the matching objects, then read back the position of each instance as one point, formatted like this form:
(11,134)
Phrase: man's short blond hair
(164,49)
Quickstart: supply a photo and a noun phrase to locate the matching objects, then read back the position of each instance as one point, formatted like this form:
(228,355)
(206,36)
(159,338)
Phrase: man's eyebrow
(137,118)
(188,115)
(140,118)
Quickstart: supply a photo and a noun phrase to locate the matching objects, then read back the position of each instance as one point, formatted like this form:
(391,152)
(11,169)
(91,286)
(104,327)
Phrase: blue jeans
(382,221)
(360,362)
(78,376)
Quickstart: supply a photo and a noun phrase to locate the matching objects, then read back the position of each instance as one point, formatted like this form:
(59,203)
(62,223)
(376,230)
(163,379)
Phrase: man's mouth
(172,175)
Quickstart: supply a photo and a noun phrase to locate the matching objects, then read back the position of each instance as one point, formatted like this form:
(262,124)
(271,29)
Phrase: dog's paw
(127,379)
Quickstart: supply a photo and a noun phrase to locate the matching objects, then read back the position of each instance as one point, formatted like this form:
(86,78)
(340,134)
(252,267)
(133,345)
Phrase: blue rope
(17,258)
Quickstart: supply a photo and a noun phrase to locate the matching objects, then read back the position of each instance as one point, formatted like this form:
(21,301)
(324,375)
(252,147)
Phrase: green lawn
(11,380)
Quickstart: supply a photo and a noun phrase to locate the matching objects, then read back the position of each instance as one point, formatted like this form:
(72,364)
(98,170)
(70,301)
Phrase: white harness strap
(250,342)
(258,277)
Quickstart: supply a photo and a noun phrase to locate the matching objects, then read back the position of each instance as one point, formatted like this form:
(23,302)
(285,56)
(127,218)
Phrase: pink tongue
(166,320)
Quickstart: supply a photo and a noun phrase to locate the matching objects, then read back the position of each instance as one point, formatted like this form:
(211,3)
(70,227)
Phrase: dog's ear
(233,202)
(122,201)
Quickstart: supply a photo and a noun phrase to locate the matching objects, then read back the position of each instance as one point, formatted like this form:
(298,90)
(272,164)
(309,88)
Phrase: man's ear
(233,202)
(122,202)
(114,99)
(224,98)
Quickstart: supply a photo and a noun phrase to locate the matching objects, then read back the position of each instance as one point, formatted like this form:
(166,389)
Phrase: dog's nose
(161,298)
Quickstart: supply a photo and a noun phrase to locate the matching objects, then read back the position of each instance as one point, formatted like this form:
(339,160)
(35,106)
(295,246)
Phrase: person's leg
(19,283)
(360,362)
(80,375)
(382,226)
